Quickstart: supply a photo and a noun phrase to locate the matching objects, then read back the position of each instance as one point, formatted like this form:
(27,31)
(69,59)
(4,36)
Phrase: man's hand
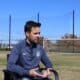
(33,73)
(48,71)
(44,74)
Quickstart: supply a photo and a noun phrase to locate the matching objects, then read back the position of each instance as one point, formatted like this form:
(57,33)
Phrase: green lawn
(3,62)
(67,65)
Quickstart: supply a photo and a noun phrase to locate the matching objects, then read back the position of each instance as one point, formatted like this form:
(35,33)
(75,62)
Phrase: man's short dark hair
(29,24)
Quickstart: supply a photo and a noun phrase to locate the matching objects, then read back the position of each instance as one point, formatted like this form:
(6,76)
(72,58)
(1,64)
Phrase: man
(26,56)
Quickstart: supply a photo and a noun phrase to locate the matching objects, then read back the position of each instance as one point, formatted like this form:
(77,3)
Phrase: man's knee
(25,78)
(46,79)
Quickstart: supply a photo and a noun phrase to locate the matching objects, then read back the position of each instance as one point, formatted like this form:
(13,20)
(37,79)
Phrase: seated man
(26,56)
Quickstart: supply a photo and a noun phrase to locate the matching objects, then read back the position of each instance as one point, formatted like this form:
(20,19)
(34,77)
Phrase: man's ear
(27,34)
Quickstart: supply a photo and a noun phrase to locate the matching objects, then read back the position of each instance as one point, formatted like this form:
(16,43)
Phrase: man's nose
(38,35)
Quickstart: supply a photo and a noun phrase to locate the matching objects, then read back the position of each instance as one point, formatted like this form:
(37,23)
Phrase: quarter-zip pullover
(24,57)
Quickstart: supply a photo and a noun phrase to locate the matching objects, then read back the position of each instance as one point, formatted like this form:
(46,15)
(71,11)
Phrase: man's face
(34,35)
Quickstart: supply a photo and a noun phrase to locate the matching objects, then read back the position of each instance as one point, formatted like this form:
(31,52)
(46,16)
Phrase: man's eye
(37,33)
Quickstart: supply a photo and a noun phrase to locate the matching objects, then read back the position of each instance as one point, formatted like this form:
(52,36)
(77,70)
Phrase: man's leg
(25,78)
(46,79)
(41,79)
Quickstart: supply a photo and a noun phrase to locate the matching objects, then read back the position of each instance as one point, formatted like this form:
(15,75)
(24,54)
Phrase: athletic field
(66,64)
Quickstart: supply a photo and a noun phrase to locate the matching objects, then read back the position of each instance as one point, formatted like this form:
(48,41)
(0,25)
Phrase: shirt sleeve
(45,59)
(13,58)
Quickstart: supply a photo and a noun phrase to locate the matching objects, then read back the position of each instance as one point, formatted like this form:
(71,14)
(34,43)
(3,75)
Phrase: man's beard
(33,41)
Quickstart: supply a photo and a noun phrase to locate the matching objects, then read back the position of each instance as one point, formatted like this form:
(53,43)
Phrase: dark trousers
(26,78)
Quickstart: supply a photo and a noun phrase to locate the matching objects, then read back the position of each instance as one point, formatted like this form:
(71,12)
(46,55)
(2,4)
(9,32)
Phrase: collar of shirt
(31,45)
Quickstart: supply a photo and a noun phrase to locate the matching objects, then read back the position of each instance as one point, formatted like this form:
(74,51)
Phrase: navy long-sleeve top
(24,57)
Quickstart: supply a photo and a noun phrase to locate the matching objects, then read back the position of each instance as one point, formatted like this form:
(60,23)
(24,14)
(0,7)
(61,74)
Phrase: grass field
(67,65)
(3,62)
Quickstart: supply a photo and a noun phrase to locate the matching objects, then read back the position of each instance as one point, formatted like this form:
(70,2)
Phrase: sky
(55,17)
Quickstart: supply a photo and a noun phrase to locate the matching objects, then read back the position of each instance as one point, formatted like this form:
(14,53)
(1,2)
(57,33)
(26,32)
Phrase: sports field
(67,65)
